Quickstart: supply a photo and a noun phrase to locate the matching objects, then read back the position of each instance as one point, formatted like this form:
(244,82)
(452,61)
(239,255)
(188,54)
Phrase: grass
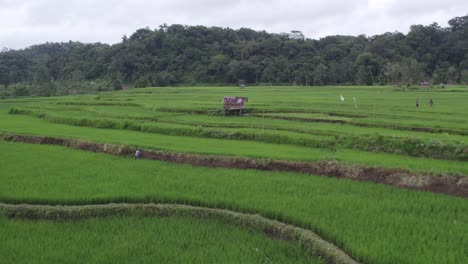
(375,223)
(141,240)
(30,125)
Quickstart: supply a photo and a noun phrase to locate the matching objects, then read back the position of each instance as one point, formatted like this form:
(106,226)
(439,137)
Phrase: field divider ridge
(310,242)
(401,145)
(363,124)
(456,185)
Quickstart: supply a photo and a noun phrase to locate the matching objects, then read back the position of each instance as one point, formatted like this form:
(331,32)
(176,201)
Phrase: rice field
(141,240)
(378,127)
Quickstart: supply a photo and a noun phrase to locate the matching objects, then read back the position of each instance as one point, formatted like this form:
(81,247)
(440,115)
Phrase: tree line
(195,55)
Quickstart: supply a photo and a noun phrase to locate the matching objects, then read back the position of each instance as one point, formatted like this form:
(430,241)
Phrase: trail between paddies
(456,185)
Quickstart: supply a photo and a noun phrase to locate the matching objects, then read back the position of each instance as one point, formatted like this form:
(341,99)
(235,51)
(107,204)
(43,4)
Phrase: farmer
(431,102)
(137,153)
(417,102)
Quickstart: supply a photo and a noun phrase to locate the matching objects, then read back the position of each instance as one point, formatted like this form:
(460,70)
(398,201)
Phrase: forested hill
(189,55)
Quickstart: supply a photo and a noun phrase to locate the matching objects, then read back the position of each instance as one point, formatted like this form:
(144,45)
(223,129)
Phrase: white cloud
(27,22)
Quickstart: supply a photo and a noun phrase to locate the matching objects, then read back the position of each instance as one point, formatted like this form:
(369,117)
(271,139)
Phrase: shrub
(142,82)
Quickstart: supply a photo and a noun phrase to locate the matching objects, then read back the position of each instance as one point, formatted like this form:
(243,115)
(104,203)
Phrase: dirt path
(310,242)
(439,183)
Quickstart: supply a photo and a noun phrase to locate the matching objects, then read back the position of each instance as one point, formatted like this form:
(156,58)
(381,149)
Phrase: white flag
(341,97)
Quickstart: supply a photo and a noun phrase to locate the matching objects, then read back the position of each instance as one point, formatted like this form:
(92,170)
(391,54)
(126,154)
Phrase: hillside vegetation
(194,55)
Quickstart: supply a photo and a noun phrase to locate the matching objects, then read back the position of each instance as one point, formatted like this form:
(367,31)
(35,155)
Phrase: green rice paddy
(140,240)
(373,223)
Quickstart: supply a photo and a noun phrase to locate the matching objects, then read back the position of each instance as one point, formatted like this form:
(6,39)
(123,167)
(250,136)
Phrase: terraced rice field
(141,240)
(382,180)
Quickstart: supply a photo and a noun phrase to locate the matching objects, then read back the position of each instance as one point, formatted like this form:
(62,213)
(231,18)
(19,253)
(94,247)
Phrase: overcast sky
(27,22)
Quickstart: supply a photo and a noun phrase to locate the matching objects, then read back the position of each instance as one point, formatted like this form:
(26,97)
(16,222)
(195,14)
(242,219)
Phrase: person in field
(417,102)
(431,102)
(137,153)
